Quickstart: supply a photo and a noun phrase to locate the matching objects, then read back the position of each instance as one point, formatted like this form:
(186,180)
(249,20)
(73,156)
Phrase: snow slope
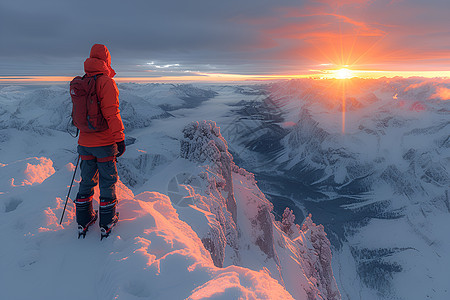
(151,255)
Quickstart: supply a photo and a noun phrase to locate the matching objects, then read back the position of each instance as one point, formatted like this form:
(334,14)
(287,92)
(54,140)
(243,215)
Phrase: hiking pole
(70,188)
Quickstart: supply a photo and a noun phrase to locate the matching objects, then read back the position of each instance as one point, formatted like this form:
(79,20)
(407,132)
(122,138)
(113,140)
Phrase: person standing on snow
(98,150)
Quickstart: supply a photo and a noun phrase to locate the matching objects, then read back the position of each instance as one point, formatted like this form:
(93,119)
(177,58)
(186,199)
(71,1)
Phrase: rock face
(320,267)
(204,143)
(241,227)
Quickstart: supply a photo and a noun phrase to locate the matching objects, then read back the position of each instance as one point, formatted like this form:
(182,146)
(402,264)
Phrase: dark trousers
(98,166)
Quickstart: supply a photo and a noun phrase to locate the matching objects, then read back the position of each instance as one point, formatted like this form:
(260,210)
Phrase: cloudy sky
(253,37)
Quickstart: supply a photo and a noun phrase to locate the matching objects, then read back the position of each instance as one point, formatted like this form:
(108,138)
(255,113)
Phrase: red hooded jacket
(99,62)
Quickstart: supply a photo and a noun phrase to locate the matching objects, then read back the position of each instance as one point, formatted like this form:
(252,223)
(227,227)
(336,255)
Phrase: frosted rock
(232,232)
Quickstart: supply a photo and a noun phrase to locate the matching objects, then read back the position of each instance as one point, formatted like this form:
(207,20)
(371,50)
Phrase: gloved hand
(121,148)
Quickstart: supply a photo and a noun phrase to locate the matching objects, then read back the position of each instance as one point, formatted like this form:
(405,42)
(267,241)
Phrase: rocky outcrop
(203,143)
(320,261)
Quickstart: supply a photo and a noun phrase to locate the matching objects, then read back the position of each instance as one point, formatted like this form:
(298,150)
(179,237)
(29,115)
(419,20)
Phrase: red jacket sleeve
(109,103)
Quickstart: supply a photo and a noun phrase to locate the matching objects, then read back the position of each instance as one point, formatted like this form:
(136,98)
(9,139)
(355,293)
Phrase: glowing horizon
(334,73)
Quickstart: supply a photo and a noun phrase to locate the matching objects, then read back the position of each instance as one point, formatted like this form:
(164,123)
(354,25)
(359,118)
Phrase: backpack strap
(95,76)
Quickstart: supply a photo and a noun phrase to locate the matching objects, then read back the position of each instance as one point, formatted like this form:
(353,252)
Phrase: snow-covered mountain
(214,235)
(378,184)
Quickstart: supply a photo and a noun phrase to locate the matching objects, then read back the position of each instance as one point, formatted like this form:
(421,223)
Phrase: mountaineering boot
(83,229)
(108,215)
(86,215)
(105,230)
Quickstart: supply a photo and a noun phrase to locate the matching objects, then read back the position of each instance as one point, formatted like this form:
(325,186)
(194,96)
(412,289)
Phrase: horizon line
(223,77)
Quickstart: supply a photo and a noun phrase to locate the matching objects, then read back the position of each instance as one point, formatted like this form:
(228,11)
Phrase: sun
(343,73)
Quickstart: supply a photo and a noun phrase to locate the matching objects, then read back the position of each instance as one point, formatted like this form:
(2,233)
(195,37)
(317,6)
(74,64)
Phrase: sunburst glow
(343,73)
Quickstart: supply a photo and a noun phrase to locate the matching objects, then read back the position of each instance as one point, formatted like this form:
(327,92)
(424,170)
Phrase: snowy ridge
(151,251)
(203,143)
(37,110)
(300,261)
(43,108)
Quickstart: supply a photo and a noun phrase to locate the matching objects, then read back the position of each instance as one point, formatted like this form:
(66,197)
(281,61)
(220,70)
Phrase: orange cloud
(417,85)
(442,93)
(328,38)
(310,36)
(362,28)
(342,2)
(367,35)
